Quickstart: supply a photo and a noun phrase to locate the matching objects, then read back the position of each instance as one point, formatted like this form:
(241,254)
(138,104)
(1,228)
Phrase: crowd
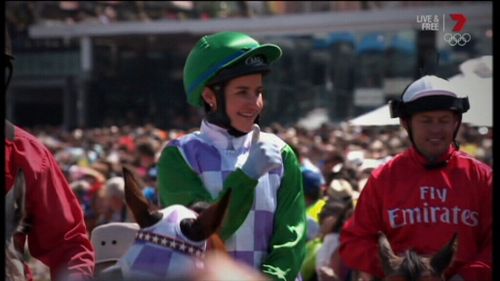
(105,12)
(269,183)
(336,160)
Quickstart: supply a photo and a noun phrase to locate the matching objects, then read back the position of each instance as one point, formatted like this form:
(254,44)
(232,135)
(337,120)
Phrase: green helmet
(217,52)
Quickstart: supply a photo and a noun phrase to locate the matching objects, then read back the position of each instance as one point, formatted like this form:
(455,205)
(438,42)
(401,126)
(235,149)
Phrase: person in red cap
(426,194)
(55,227)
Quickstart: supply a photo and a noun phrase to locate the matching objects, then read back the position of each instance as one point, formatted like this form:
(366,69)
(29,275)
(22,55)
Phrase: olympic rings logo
(457,39)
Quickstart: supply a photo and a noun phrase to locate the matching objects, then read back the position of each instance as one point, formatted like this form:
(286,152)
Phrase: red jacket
(421,209)
(58,236)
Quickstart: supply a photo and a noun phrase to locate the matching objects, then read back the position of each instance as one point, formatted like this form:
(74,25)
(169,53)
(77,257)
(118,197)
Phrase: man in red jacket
(56,230)
(427,193)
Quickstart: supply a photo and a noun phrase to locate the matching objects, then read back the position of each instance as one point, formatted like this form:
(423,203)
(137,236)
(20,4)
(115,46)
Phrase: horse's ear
(137,202)
(443,259)
(390,261)
(207,222)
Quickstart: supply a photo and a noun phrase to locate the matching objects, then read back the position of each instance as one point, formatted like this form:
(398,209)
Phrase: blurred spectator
(313,183)
(365,170)
(104,167)
(320,249)
(341,191)
(145,159)
(83,192)
(332,218)
(151,195)
(114,202)
(332,165)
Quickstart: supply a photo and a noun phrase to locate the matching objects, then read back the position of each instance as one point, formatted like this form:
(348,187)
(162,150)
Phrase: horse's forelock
(413,266)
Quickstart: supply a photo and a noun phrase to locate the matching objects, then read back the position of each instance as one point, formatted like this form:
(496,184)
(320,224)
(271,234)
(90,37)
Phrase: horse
(14,216)
(413,267)
(171,242)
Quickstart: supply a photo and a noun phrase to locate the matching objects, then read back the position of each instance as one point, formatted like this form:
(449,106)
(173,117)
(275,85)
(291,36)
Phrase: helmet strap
(455,143)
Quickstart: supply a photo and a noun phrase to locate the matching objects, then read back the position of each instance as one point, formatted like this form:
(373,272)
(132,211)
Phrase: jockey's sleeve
(289,238)
(179,184)
(481,267)
(358,239)
(242,198)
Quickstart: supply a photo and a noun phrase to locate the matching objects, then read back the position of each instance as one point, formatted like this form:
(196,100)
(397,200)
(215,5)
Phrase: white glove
(262,157)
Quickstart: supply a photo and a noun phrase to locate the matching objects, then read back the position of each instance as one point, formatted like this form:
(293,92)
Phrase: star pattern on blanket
(170,242)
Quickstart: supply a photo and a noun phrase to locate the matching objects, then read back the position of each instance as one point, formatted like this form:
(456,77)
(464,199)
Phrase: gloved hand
(262,157)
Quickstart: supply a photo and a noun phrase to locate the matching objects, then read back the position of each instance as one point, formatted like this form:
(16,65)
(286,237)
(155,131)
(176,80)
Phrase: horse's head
(171,241)
(413,267)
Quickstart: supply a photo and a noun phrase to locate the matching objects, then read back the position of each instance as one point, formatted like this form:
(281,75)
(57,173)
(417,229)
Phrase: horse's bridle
(170,243)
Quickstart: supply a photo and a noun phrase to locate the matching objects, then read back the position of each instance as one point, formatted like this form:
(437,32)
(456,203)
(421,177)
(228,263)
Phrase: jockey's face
(432,132)
(244,101)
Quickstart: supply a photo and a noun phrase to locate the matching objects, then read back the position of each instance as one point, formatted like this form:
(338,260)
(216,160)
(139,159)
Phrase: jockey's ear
(390,261)
(208,221)
(442,259)
(137,202)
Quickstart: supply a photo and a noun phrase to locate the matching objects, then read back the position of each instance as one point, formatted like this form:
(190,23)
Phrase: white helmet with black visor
(429,93)
(426,94)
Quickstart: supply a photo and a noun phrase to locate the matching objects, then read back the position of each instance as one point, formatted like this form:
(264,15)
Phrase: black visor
(429,103)
(249,65)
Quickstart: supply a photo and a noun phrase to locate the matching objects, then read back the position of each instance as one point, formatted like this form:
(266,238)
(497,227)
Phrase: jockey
(56,230)
(265,225)
(427,193)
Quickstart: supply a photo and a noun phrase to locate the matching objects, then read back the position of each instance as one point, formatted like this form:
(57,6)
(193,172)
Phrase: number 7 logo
(460,19)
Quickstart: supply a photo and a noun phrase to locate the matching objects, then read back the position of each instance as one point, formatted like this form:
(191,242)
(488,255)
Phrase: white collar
(221,139)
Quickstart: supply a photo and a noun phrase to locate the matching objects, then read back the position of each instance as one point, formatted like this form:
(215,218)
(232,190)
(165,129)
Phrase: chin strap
(222,120)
